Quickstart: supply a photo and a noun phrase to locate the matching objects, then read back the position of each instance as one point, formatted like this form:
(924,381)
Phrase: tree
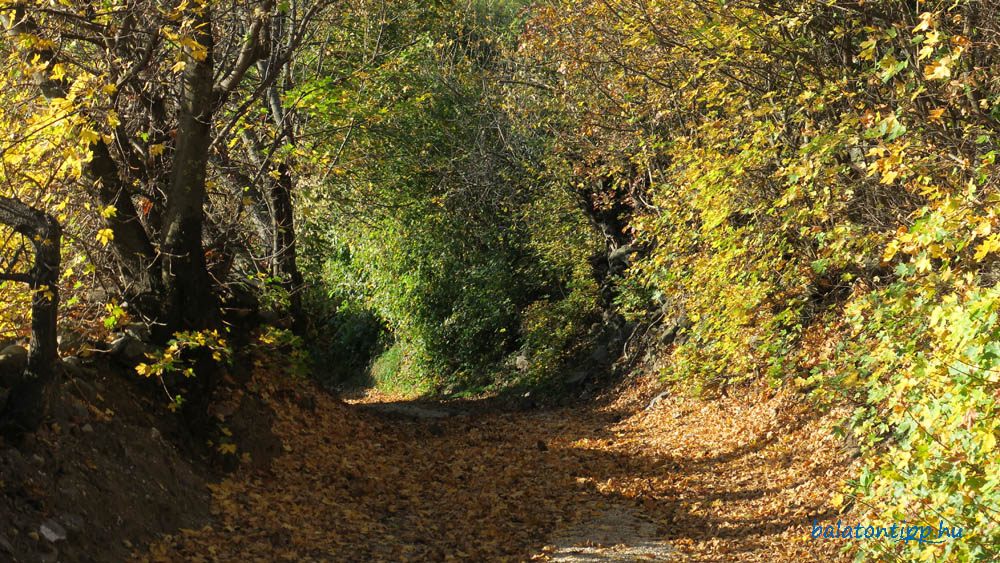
(162,78)
(44,233)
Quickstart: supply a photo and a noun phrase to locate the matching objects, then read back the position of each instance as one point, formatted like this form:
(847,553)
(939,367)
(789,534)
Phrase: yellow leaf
(928,553)
(889,177)
(989,442)
(940,70)
(836,500)
(178,66)
(985,247)
(926,19)
(105,236)
(89,136)
(58,72)
(923,263)
(890,250)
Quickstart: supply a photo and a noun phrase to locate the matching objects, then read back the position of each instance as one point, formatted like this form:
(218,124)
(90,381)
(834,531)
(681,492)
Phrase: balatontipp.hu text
(898,532)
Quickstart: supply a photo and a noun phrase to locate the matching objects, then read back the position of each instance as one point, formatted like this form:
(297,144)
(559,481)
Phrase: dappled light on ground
(738,478)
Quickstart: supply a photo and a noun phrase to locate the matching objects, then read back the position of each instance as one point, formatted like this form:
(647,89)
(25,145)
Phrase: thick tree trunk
(26,406)
(189,302)
(131,242)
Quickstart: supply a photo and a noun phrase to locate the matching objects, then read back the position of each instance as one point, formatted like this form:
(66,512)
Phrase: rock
(139,331)
(577,376)
(69,340)
(130,349)
(79,410)
(676,329)
(52,531)
(73,361)
(620,255)
(72,367)
(656,400)
(13,360)
(599,356)
(81,388)
(74,522)
(50,556)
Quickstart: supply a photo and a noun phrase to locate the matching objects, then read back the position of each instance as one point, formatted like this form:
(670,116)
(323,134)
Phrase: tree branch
(253,51)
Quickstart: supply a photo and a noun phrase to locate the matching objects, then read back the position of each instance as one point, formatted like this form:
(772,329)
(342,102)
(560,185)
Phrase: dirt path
(736,479)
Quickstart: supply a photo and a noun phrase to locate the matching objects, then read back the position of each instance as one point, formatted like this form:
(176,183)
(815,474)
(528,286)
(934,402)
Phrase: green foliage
(439,228)
(396,371)
(554,333)
(347,344)
(115,315)
(273,296)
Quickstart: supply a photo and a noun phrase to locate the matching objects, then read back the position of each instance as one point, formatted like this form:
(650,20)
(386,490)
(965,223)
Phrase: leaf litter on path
(738,478)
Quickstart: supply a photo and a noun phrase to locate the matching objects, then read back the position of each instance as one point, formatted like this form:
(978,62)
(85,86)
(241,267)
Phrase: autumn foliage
(817,181)
(480,196)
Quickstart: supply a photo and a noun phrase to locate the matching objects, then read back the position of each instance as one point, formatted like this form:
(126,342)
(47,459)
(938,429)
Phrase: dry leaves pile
(738,478)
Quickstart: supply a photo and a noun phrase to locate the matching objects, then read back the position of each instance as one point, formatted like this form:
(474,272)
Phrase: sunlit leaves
(880,184)
(939,70)
(104,236)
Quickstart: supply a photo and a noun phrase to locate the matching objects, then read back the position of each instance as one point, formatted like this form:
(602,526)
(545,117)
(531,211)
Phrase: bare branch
(253,51)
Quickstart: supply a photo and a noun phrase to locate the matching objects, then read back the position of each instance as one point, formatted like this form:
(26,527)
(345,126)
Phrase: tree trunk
(189,302)
(131,243)
(27,395)
(285,267)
